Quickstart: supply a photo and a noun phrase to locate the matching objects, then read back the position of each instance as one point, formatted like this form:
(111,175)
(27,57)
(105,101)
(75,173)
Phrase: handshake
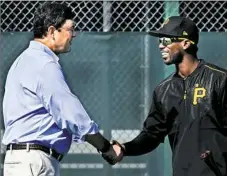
(115,153)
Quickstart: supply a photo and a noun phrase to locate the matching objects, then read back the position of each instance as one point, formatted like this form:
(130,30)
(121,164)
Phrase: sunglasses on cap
(167,41)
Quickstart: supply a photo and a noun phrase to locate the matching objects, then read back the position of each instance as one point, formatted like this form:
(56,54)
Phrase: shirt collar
(39,46)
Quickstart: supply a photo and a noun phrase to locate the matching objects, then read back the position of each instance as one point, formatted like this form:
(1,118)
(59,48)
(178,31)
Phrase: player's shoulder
(215,69)
(165,82)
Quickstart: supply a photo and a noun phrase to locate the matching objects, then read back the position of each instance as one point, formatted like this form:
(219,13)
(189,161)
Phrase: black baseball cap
(180,27)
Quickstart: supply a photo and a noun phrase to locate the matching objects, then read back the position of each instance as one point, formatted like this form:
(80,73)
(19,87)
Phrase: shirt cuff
(92,128)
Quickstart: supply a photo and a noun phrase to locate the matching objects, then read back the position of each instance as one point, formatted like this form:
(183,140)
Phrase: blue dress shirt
(38,106)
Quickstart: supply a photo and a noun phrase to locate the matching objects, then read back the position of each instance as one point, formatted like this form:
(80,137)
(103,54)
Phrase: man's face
(171,50)
(63,37)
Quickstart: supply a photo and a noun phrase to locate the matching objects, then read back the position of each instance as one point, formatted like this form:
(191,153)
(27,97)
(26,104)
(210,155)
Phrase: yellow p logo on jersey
(199,92)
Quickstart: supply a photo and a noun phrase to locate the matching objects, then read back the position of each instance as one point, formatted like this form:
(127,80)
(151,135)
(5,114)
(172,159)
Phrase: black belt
(47,150)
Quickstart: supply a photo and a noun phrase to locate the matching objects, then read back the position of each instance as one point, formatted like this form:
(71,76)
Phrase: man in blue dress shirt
(41,115)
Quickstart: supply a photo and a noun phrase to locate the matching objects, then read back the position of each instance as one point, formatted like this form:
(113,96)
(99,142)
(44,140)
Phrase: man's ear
(50,31)
(186,44)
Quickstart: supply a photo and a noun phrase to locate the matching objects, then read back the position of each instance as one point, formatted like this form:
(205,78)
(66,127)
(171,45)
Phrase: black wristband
(98,141)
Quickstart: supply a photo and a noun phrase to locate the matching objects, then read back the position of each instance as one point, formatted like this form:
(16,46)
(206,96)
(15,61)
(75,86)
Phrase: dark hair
(50,14)
(192,50)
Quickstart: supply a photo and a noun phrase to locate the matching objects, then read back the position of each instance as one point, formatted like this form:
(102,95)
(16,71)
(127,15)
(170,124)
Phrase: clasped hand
(114,154)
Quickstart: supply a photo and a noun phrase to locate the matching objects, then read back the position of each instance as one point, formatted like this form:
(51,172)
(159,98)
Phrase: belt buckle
(11,148)
(27,147)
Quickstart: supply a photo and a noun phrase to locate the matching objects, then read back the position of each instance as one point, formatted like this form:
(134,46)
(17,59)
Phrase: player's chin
(167,60)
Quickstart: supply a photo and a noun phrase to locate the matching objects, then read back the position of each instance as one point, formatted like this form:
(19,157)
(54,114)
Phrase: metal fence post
(106,81)
(107,16)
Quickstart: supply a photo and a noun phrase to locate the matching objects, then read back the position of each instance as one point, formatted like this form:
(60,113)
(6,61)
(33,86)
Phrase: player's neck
(187,66)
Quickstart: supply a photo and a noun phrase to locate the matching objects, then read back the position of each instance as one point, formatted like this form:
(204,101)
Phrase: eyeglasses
(167,41)
(71,30)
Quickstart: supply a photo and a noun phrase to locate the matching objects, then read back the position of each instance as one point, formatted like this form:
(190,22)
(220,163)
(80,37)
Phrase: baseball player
(189,106)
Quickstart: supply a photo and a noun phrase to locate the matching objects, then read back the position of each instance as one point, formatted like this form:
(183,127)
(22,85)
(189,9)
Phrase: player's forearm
(142,144)
(98,141)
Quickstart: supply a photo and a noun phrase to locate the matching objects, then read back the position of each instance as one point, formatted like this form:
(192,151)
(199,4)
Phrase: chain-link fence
(110,73)
(119,15)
